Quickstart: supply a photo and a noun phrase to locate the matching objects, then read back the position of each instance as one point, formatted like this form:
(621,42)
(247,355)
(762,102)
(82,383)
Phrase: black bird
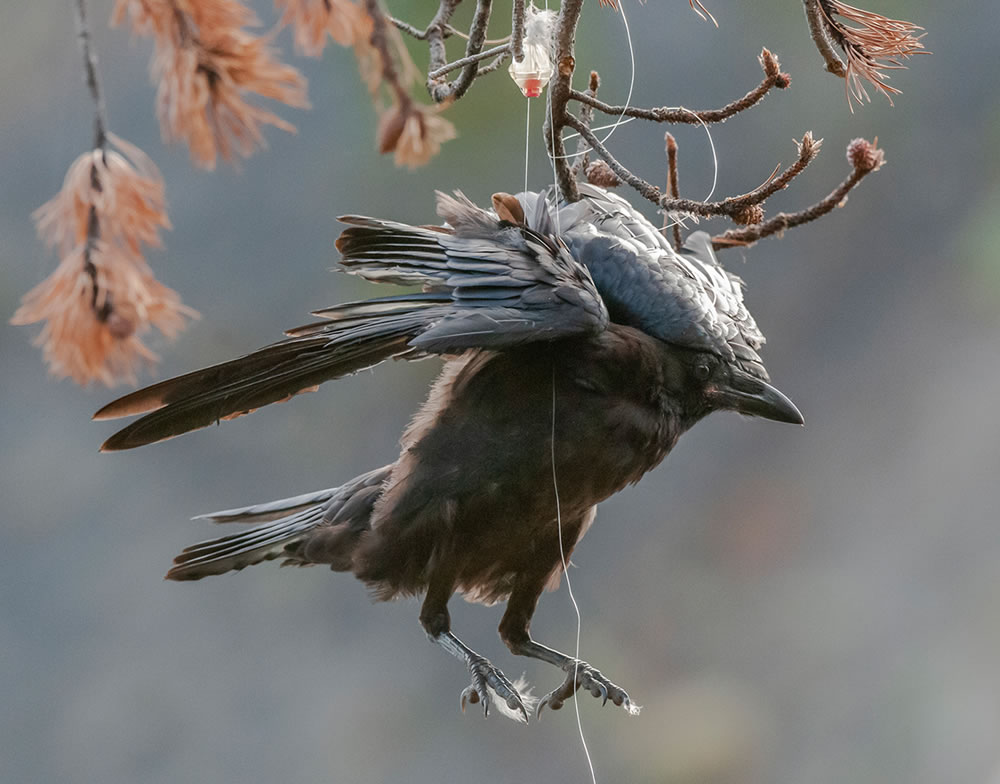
(579,346)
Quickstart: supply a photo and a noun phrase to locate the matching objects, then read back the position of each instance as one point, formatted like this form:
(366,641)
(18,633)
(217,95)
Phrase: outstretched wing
(487,284)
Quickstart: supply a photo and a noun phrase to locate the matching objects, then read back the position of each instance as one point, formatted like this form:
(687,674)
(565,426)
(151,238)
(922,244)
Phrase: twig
(865,158)
(646,189)
(517,30)
(379,41)
(501,59)
(818,31)
(436,32)
(92,81)
(733,206)
(672,185)
(587,118)
(474,58)
(477,36)
(772,78)
(90,77)
(410,30)
(559,94)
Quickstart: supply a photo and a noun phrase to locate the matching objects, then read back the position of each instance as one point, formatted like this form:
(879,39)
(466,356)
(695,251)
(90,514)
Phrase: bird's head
(707,382)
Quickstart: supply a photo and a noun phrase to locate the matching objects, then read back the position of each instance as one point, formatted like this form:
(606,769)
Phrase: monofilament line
(569,584)
(527,140)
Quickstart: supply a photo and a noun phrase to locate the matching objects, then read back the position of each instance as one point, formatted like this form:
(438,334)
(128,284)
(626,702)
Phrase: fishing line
(569,584)
(527,141)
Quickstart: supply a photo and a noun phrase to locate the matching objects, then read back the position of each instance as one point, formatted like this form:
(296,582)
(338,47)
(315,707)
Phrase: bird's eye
(702,372)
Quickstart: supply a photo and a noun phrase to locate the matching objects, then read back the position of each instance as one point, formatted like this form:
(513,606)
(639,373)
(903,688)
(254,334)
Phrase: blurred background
(817,604)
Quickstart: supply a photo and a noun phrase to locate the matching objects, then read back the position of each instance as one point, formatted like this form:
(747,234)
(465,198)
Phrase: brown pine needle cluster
(206,66)
(872,45)
(103,295)
(312,20)
(413,132)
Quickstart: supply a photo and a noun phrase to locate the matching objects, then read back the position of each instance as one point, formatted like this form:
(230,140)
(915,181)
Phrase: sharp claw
(582,676)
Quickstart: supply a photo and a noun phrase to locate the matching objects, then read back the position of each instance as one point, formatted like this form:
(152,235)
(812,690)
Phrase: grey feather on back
(686,298)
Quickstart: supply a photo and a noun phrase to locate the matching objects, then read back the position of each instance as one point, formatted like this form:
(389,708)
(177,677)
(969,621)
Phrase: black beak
(749,395)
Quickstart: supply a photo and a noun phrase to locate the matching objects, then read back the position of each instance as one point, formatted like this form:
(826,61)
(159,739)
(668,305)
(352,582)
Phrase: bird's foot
(486,678)
(582,675)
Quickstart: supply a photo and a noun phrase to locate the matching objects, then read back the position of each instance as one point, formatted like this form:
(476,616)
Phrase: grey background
(789,605)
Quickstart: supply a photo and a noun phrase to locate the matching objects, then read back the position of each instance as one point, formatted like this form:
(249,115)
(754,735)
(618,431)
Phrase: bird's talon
(582,675)
(486,677)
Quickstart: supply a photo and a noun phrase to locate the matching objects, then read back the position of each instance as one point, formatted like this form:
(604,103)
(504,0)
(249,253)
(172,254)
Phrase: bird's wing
(682,297)
(502,285)
(487,284)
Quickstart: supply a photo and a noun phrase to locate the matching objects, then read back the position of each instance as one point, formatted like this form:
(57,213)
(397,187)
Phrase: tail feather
(273,510)
(332,500)
(232,553)
(286,522)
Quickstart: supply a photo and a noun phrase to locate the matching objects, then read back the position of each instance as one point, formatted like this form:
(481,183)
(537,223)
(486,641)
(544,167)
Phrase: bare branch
(517,31)
(475,58)
(477,37)
(435,34)
(646,189)
(501,59)
(733,206)
(772,78)
(865,158)
(587,118)
(818,31)
(559,94)
(672,184)
(410,30)
(90,77)
(380,43)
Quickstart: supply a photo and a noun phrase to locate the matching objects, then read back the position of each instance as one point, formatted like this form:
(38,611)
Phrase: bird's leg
(514,631)
(435,619)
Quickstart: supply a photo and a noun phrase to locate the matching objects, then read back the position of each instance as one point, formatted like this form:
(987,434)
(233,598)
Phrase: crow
(578,346)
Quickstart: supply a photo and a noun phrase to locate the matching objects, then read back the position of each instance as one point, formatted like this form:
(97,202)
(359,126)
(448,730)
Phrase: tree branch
(501,59)
(517,30)
(587,118)
(559,94)
(90,77)
(818,31)
(734,206)
(435,34)
(410,30)
(772,78)
(672,185)
(646,189)
(865,158)
(477,37)
(474,58)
